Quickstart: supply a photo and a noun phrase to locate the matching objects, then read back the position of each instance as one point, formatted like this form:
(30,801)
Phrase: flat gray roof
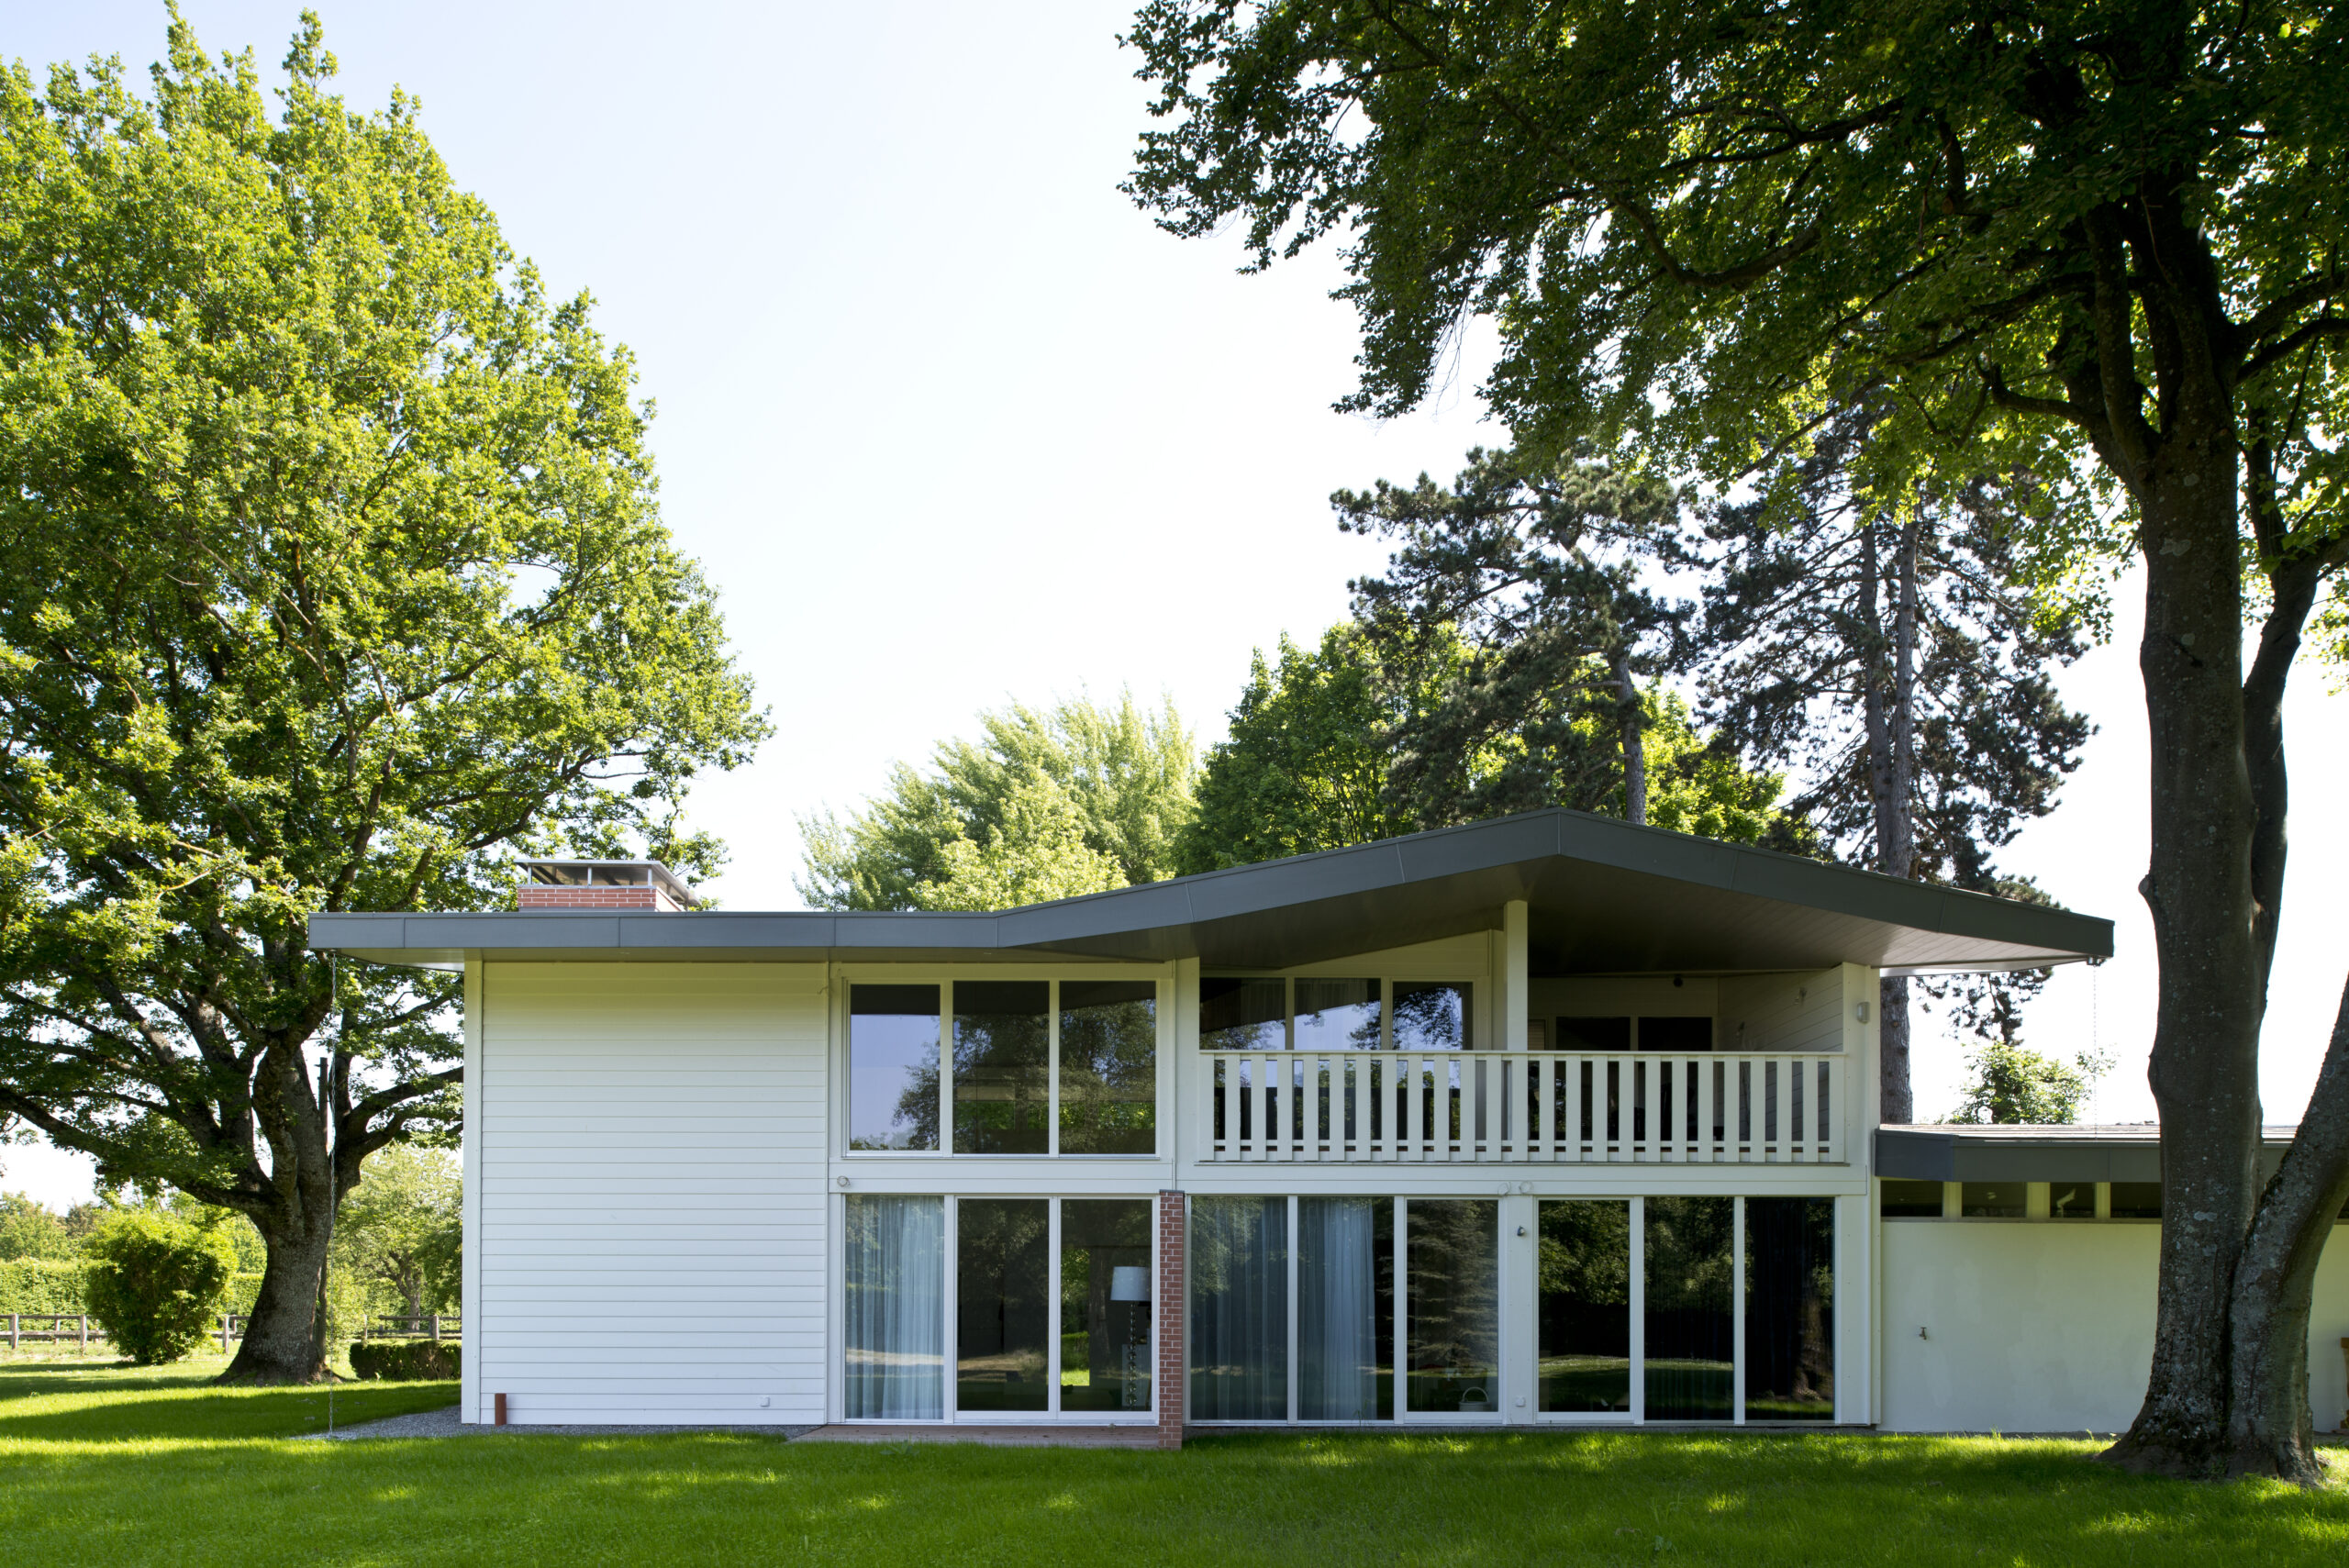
(1974,1151)
(1605,898)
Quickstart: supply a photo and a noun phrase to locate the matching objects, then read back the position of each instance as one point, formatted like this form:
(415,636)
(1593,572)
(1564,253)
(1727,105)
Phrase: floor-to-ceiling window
(895,1285)
(1584,1311)
(1451,1306)
(1345,1308)
(1239,1317)
(1691,1355)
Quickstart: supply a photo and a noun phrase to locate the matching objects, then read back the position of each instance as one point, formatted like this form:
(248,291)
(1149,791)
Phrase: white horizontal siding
(652,1222)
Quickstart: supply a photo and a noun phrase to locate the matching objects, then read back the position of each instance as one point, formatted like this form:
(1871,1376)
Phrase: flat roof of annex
(1604,897)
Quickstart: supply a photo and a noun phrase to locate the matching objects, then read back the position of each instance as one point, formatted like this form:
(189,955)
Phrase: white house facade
(1547,1120)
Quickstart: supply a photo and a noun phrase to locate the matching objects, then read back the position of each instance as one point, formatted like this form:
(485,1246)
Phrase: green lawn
(104,1465)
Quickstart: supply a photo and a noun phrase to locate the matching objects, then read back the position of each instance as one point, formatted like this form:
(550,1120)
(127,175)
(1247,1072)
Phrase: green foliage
(405,1361)
(31,1230)
(41,1284)
(1048,804)
(334,579)
(156,1283)
(401,1231)
(2012,1083)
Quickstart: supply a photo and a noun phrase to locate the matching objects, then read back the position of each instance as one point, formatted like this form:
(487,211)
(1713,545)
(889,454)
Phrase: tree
(1883,644)
(154,1282)
(2105,234)
(334,578)
(2012,1084)
(402,1228)
(1522,580)
(31,1230)
(1048,804)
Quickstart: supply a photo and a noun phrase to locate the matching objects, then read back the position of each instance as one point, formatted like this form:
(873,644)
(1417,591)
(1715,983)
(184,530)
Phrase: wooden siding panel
(653,1220)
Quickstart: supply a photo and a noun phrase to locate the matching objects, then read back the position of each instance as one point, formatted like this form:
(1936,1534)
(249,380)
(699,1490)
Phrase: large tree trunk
(1631,723)
(1888,699)
(2204,1070)
(285,1341)
(1899,1106)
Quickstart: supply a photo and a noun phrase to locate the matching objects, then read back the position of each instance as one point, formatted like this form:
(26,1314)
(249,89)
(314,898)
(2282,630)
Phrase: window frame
(1482,1037)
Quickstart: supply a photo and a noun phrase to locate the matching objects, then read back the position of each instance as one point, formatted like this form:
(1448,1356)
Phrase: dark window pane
(1991,1200)
(1585,1305)
(1238,1013)
(1109,1067)
(1104,1303)
(1345,1308)
(1337,1014)
(1690,1318)
(1675,1034)
(1911,1200)
(1789,1309)
(2136,1200)
(1002,1060)
(2071,1200)
(1238,1263)
(1451,1335)
(1002,1293)
(1594,1034)
(892,1067)
(1431,1016)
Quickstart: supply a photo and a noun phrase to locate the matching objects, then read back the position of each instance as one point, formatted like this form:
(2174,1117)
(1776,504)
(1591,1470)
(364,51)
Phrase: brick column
(1173,1291)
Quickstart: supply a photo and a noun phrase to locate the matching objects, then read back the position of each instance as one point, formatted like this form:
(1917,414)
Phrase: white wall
(650,1229)
(2048,1327)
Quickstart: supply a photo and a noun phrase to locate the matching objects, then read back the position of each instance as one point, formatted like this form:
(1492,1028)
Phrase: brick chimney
(644,885)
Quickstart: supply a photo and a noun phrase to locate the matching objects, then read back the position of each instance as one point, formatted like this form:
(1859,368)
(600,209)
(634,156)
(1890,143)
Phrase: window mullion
(1052,1074)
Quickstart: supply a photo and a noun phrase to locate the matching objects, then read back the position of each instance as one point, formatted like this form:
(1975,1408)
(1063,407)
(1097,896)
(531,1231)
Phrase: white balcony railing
(1774,1108)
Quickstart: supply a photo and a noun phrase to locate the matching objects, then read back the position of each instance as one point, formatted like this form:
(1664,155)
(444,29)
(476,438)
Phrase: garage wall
(651,1187)
(2048,1327)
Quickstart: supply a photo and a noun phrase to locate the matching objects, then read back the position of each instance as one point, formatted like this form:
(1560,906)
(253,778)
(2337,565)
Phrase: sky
(951,424)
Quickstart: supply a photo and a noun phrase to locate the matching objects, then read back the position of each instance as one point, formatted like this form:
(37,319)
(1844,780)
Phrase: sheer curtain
(896,1308)
(1238,1308)
(1337,1329)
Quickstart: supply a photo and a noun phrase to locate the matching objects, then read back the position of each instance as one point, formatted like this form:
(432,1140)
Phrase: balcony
(1555,1107)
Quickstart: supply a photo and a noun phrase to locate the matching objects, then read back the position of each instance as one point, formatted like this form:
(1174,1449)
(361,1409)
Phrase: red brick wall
(1173,1291)
(546,896)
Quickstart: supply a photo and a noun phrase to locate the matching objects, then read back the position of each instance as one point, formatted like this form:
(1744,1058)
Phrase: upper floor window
(1319,1013)
(1004,1067)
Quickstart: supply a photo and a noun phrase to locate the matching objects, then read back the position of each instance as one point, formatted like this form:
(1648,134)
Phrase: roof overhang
(1976,1152)
(1605,898)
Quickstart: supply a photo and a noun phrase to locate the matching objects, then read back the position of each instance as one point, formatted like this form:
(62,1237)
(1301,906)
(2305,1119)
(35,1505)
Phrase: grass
(101,1464)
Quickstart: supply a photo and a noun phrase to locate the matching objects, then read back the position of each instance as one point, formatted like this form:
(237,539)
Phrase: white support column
(1516,994)
(1521,1319)
(476,1325)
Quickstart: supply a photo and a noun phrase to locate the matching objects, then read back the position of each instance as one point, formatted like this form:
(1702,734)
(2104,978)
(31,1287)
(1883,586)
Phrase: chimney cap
(611,873)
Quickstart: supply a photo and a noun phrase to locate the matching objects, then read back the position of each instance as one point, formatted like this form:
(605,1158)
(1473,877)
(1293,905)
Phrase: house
(1549,1120)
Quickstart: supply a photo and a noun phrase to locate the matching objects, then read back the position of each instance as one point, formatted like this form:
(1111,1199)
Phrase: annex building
(1548,1119)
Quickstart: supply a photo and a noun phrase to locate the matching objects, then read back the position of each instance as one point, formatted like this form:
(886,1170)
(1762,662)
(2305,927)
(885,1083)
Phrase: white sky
(951,424)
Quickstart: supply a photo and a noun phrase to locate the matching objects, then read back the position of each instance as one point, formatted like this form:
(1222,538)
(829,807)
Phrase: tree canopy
(335,579)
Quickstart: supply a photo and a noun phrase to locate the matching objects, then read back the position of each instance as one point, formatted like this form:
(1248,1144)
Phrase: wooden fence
(62,1327)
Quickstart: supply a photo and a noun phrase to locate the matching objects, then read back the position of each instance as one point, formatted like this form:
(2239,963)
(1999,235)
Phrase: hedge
(48,1284)
(405,1361)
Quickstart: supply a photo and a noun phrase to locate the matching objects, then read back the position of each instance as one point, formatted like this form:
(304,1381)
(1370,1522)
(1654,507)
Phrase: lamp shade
(1129,1282)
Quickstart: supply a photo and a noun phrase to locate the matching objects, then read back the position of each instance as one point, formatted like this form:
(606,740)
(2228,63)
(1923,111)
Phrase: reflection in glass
(1585,1305)
(892,1067)
(1337,1014)
(1912,1200)
(1238,1013)
(1690,1321)
(1239,1262)
(1109,1067)
(1431,1016)
(1002,1303)
(896,1281)
(2072,1200)
(1345,1308)
(1992,1200)
(1451,1343)
(1002,1058)
(1105,1303)
(1790,1309)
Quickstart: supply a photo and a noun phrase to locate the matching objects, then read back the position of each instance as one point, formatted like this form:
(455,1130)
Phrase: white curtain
(1337,1325)
(896,1308)
(1238,1266)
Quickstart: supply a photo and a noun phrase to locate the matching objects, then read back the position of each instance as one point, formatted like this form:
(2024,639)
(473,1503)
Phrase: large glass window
(1109,1067)
(1451,1304)
(1239,1012)
(1238,1265)
(1002,1305)
(1690,1350)
(895,1301)
(1586,1306)
(1337,1014)
(1105,1303)
(892,1067)
(1002,1064)
(1345,1308)
(1790,1309)
(1432,1014)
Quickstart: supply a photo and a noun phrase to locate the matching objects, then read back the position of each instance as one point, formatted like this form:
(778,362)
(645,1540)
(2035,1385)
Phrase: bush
(405,1361)
(154,1283)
